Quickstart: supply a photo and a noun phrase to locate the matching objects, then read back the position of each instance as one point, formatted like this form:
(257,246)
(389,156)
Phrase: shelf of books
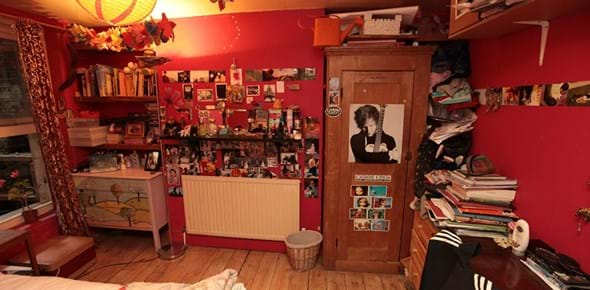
(117,99)
(107,81)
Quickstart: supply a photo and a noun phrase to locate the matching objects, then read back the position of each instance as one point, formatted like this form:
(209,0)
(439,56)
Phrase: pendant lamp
(118,12)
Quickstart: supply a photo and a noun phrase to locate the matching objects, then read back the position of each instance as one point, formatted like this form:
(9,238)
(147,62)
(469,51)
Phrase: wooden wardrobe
(376,75)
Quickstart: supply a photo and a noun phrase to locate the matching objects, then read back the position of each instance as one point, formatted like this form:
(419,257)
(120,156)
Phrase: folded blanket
(225,280)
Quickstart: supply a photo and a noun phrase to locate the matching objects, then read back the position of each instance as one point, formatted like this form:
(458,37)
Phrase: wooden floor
(257,270)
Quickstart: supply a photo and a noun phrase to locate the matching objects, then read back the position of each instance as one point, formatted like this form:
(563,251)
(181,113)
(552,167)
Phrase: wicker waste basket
(303,249)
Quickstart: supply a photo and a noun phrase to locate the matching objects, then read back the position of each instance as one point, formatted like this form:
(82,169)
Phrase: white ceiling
(70,10)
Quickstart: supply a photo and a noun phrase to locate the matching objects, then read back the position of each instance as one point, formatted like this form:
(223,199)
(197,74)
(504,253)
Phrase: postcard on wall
(280,87)
(307,73)
(312,163)
(376,213)
(289,165)
(380,225)
(173,174)
(361,202)
(217,76)
(310,189)
(357,213)
(312,146)
(199,76)
(171,76)
(378,190)
(253,90)
(253,75)
(274,118)
(369,123)
(175,191)
(382,202)
(235,76)
(184,76)
(269,92)
(205,95)
(187,91)
(510,96)
(362,224)
(359,190)
(569,93)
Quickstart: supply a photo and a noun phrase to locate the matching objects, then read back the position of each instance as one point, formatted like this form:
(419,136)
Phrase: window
(21,162)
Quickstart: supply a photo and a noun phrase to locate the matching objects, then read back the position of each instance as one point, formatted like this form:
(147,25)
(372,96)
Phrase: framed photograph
(135,129)
(221,91)
(382,202)
(378,190)
(380,225)
(152,161)
(205,95)
(362,202)
(357,213)
(253,90)
(173,174)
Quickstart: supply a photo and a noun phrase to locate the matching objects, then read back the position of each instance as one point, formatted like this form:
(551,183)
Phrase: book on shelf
(452,198)
(490,195)
(482,216)
(480,234)
(476,227)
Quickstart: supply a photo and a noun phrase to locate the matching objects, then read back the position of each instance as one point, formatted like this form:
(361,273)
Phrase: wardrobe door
(390,93)
(362,85)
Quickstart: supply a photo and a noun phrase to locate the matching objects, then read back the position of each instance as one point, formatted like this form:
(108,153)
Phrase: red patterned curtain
(44,106)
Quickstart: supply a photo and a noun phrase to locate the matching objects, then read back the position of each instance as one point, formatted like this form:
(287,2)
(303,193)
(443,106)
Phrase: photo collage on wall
(370,203)
(559,94)
(311,171)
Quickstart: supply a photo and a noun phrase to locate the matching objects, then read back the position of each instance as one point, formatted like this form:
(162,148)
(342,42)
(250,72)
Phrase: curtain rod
(36,21)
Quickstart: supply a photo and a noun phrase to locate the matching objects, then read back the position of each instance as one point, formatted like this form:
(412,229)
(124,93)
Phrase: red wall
(256,41)
(545,148)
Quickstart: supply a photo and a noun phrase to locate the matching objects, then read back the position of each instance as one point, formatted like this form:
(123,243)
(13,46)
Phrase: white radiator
(252,208)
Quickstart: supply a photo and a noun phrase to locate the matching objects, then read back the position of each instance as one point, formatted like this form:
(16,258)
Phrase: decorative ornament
(221,3)
(584,215)
(138,36)
(118,12)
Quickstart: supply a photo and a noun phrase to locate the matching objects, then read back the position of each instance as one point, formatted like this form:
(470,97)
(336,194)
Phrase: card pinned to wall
(236,76)
(280,87)
(372,178)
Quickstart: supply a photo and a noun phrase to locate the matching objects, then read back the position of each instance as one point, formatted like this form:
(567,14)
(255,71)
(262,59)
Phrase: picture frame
(205,95)
(253,90)
(135,129)
(221,91)
(153,161)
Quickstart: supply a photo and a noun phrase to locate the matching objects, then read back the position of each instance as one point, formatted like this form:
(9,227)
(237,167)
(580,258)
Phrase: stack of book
(479,206)
(104,80)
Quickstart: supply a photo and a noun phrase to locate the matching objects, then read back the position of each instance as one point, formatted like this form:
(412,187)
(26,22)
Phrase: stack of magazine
(478,206)
(558,271)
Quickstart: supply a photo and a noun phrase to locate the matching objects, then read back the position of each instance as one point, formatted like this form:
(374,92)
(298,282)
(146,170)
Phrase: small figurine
(278,104)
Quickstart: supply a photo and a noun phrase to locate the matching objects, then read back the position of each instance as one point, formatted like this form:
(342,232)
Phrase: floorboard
(124,257)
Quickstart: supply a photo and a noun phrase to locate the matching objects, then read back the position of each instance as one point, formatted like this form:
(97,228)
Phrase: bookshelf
(503,22)
(116,99)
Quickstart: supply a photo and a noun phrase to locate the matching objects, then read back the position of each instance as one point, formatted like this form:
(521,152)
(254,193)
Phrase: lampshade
(118,12)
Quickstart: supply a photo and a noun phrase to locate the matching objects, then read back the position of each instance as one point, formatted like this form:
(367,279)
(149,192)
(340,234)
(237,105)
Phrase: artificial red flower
(166,27)
(2,182)
(14,173)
